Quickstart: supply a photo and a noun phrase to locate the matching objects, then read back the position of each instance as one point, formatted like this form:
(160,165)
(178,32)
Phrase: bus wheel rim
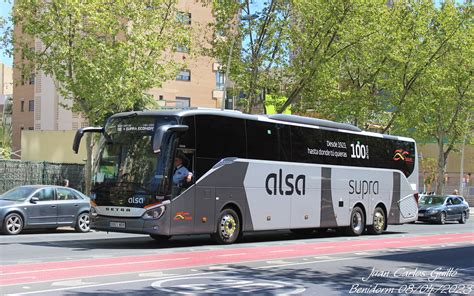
(357,222)
(228,226)
(379,221)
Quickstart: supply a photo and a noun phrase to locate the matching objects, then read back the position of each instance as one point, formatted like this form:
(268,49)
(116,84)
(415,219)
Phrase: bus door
(183,196)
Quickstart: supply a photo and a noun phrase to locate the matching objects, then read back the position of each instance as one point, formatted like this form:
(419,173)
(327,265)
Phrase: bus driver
(181,173)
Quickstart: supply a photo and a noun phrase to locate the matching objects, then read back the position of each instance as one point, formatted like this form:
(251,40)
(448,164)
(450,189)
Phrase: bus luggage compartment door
(205,210)
(408,209)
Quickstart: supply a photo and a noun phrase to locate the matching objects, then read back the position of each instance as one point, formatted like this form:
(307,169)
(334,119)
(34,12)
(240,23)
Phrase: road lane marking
(233,254)
(89,266)
(307,262)
(320,248)
(280,251)
(108,284)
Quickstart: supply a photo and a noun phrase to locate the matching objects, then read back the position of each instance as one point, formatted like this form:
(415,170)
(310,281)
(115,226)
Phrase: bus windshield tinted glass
(126,155)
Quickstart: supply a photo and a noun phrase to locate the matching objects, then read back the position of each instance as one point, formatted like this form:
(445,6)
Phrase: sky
(5,9)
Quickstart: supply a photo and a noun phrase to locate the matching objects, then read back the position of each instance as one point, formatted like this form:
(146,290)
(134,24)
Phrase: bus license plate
(117,224)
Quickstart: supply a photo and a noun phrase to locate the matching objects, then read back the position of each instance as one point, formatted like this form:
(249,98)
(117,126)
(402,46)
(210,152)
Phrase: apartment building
(37,105)
(6,85)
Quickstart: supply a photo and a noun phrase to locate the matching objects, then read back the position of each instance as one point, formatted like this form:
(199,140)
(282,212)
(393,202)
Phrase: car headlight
(433,211)
(154,213)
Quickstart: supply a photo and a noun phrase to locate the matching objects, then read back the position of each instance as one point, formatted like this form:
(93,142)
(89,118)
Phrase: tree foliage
(401,66)
(103,55)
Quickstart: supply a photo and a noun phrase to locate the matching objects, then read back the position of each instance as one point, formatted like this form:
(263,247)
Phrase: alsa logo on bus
(363,187)
(274,184)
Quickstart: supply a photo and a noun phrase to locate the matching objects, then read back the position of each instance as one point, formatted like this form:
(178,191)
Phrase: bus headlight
(93,212)
(154,213)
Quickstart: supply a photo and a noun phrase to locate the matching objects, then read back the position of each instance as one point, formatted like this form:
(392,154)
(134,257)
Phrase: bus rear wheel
(357,222)
(378,223)
(228,227)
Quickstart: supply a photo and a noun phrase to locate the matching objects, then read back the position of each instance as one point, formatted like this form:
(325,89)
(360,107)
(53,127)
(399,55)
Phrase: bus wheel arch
(379,220)
(228,225)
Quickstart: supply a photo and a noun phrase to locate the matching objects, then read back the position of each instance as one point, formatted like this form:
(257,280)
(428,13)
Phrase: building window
(184,75)
(31,105)
(184,17)
(182,48)
(31,128)
(31,80)
(183,102)
(220,80)
(161,97)
(22,106)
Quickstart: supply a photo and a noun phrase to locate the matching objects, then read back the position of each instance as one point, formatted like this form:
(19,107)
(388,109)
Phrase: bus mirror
(80,132)
(162,131)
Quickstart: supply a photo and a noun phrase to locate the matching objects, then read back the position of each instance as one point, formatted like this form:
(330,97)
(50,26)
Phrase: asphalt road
(413,259)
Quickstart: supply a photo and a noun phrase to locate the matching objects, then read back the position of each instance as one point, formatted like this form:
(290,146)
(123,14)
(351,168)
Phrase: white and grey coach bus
(251,173)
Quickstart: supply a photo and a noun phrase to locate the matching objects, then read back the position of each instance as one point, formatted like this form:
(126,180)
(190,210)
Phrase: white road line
(307,262)
(228,255)
(320,248)
(281,251)
(93,266)
(109,284)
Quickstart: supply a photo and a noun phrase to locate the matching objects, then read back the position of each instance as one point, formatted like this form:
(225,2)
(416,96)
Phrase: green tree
(443,104)
(103,55)
(255,39)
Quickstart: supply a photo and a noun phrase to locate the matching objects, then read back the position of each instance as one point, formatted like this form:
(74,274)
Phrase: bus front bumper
(128,225)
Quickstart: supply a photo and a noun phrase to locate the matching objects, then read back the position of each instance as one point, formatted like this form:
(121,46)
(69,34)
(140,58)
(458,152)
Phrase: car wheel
(160,238)
(379,222)
(13,224)
(357,222)
(442,218)
(228,227)
(463,218)
(83,222)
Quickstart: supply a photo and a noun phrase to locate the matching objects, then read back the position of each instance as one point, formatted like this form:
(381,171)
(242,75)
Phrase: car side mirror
(34,200)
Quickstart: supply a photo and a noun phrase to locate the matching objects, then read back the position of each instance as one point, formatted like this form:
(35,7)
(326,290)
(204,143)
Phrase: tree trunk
(440,180)
(88,167)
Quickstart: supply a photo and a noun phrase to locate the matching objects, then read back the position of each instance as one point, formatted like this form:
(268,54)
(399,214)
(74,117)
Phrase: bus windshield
(126,158)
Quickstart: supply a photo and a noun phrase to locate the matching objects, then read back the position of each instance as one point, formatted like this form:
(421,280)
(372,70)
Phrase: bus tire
(378,223)
(357,222)
(160,238)
(228,227)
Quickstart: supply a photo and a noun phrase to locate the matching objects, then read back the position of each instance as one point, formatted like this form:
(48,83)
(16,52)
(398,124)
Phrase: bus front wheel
(228,227)
(357,222)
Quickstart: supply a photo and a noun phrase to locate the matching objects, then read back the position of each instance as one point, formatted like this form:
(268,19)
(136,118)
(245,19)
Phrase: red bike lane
(85,268)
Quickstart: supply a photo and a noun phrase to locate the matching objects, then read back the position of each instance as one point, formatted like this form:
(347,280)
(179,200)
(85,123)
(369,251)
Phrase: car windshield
(17,194)
(432,200)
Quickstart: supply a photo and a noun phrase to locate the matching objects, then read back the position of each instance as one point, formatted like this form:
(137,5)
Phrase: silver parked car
(43,206)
